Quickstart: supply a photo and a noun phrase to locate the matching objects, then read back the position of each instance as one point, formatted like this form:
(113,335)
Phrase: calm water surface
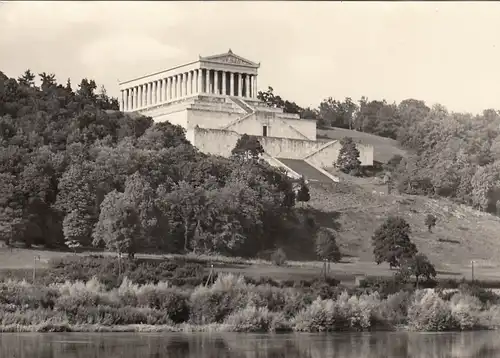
(195,345)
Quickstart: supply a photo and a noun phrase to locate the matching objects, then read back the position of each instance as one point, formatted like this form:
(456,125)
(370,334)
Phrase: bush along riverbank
(174,296)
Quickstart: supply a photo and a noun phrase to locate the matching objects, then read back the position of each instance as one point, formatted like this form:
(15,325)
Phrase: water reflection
(369,345)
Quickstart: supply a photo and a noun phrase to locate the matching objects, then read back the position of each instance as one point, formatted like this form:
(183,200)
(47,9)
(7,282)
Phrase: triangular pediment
(230,58)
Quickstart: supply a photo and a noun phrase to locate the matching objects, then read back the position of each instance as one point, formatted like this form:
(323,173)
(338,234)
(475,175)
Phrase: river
(197,345)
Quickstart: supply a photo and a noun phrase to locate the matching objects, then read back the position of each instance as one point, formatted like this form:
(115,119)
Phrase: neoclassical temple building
(215,99)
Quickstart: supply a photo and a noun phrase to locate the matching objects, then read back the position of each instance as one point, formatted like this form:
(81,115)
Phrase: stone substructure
(215,100)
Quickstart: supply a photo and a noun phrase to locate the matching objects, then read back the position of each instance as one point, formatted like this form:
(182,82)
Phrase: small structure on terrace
(215,99)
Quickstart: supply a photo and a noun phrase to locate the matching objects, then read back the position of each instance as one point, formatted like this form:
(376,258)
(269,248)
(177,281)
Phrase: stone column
(224,89)
(207,81)
(250,84)
(175,84)
(216,82)
(199,79)
(153,92)
(255,86)
(231,83)
(172,88)
(162,89)
(178,93)
(159,95)
(240,85)
(183,84)
(135,103)
(189,83)
(247,85)
(179,86)
(139,96)
(169,89)
(166,90)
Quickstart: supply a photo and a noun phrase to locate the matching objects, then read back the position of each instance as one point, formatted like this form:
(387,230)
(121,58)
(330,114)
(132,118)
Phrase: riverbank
(233,304)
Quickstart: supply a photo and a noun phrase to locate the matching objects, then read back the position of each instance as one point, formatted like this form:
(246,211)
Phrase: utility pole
(472,270)
(37,257)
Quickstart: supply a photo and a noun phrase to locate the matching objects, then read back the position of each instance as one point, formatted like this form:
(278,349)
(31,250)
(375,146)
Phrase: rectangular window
(264,131)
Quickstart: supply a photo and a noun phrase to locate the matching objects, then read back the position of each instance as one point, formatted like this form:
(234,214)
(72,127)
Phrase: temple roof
(230,58)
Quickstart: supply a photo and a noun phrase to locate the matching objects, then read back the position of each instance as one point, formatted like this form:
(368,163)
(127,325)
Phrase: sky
(446,53)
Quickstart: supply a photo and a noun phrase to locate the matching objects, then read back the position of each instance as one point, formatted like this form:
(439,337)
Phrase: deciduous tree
(119,225)
(418,266)
(303,192)
(391,242)
(326,245)
(247,147)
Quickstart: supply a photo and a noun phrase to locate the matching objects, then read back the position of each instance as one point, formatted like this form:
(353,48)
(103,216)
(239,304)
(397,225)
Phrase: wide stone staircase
(243,105)
(217,104)
(309,172)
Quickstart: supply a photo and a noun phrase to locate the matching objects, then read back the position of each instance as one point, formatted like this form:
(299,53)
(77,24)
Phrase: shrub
(465,310)
(32,317)
(296,303)
(485,296)
(110,271)
(325,288)
(253,319)
(189,270)
(23,294)
(347,313)
(213,304)
(273,298)
(109,316)
(394,309)
(430,222)
(278,257)
(385,285)
(429,312)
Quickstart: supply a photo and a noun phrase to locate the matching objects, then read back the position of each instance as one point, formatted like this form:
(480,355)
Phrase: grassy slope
(384,148)
(461,235)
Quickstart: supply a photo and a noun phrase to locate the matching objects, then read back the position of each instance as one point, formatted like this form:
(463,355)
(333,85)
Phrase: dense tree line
(454,155)
(76,171)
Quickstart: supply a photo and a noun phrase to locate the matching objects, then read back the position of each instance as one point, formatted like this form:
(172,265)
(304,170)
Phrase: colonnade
(186,84)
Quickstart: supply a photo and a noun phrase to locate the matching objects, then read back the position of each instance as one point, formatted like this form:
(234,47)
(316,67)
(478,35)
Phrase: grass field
(461,235)
(384,148)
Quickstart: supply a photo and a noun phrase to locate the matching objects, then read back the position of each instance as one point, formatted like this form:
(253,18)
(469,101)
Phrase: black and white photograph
(249,179)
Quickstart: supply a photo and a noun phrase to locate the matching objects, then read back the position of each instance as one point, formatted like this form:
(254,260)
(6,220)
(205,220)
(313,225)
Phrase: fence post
(324,265)
(210,274)
(34,266)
